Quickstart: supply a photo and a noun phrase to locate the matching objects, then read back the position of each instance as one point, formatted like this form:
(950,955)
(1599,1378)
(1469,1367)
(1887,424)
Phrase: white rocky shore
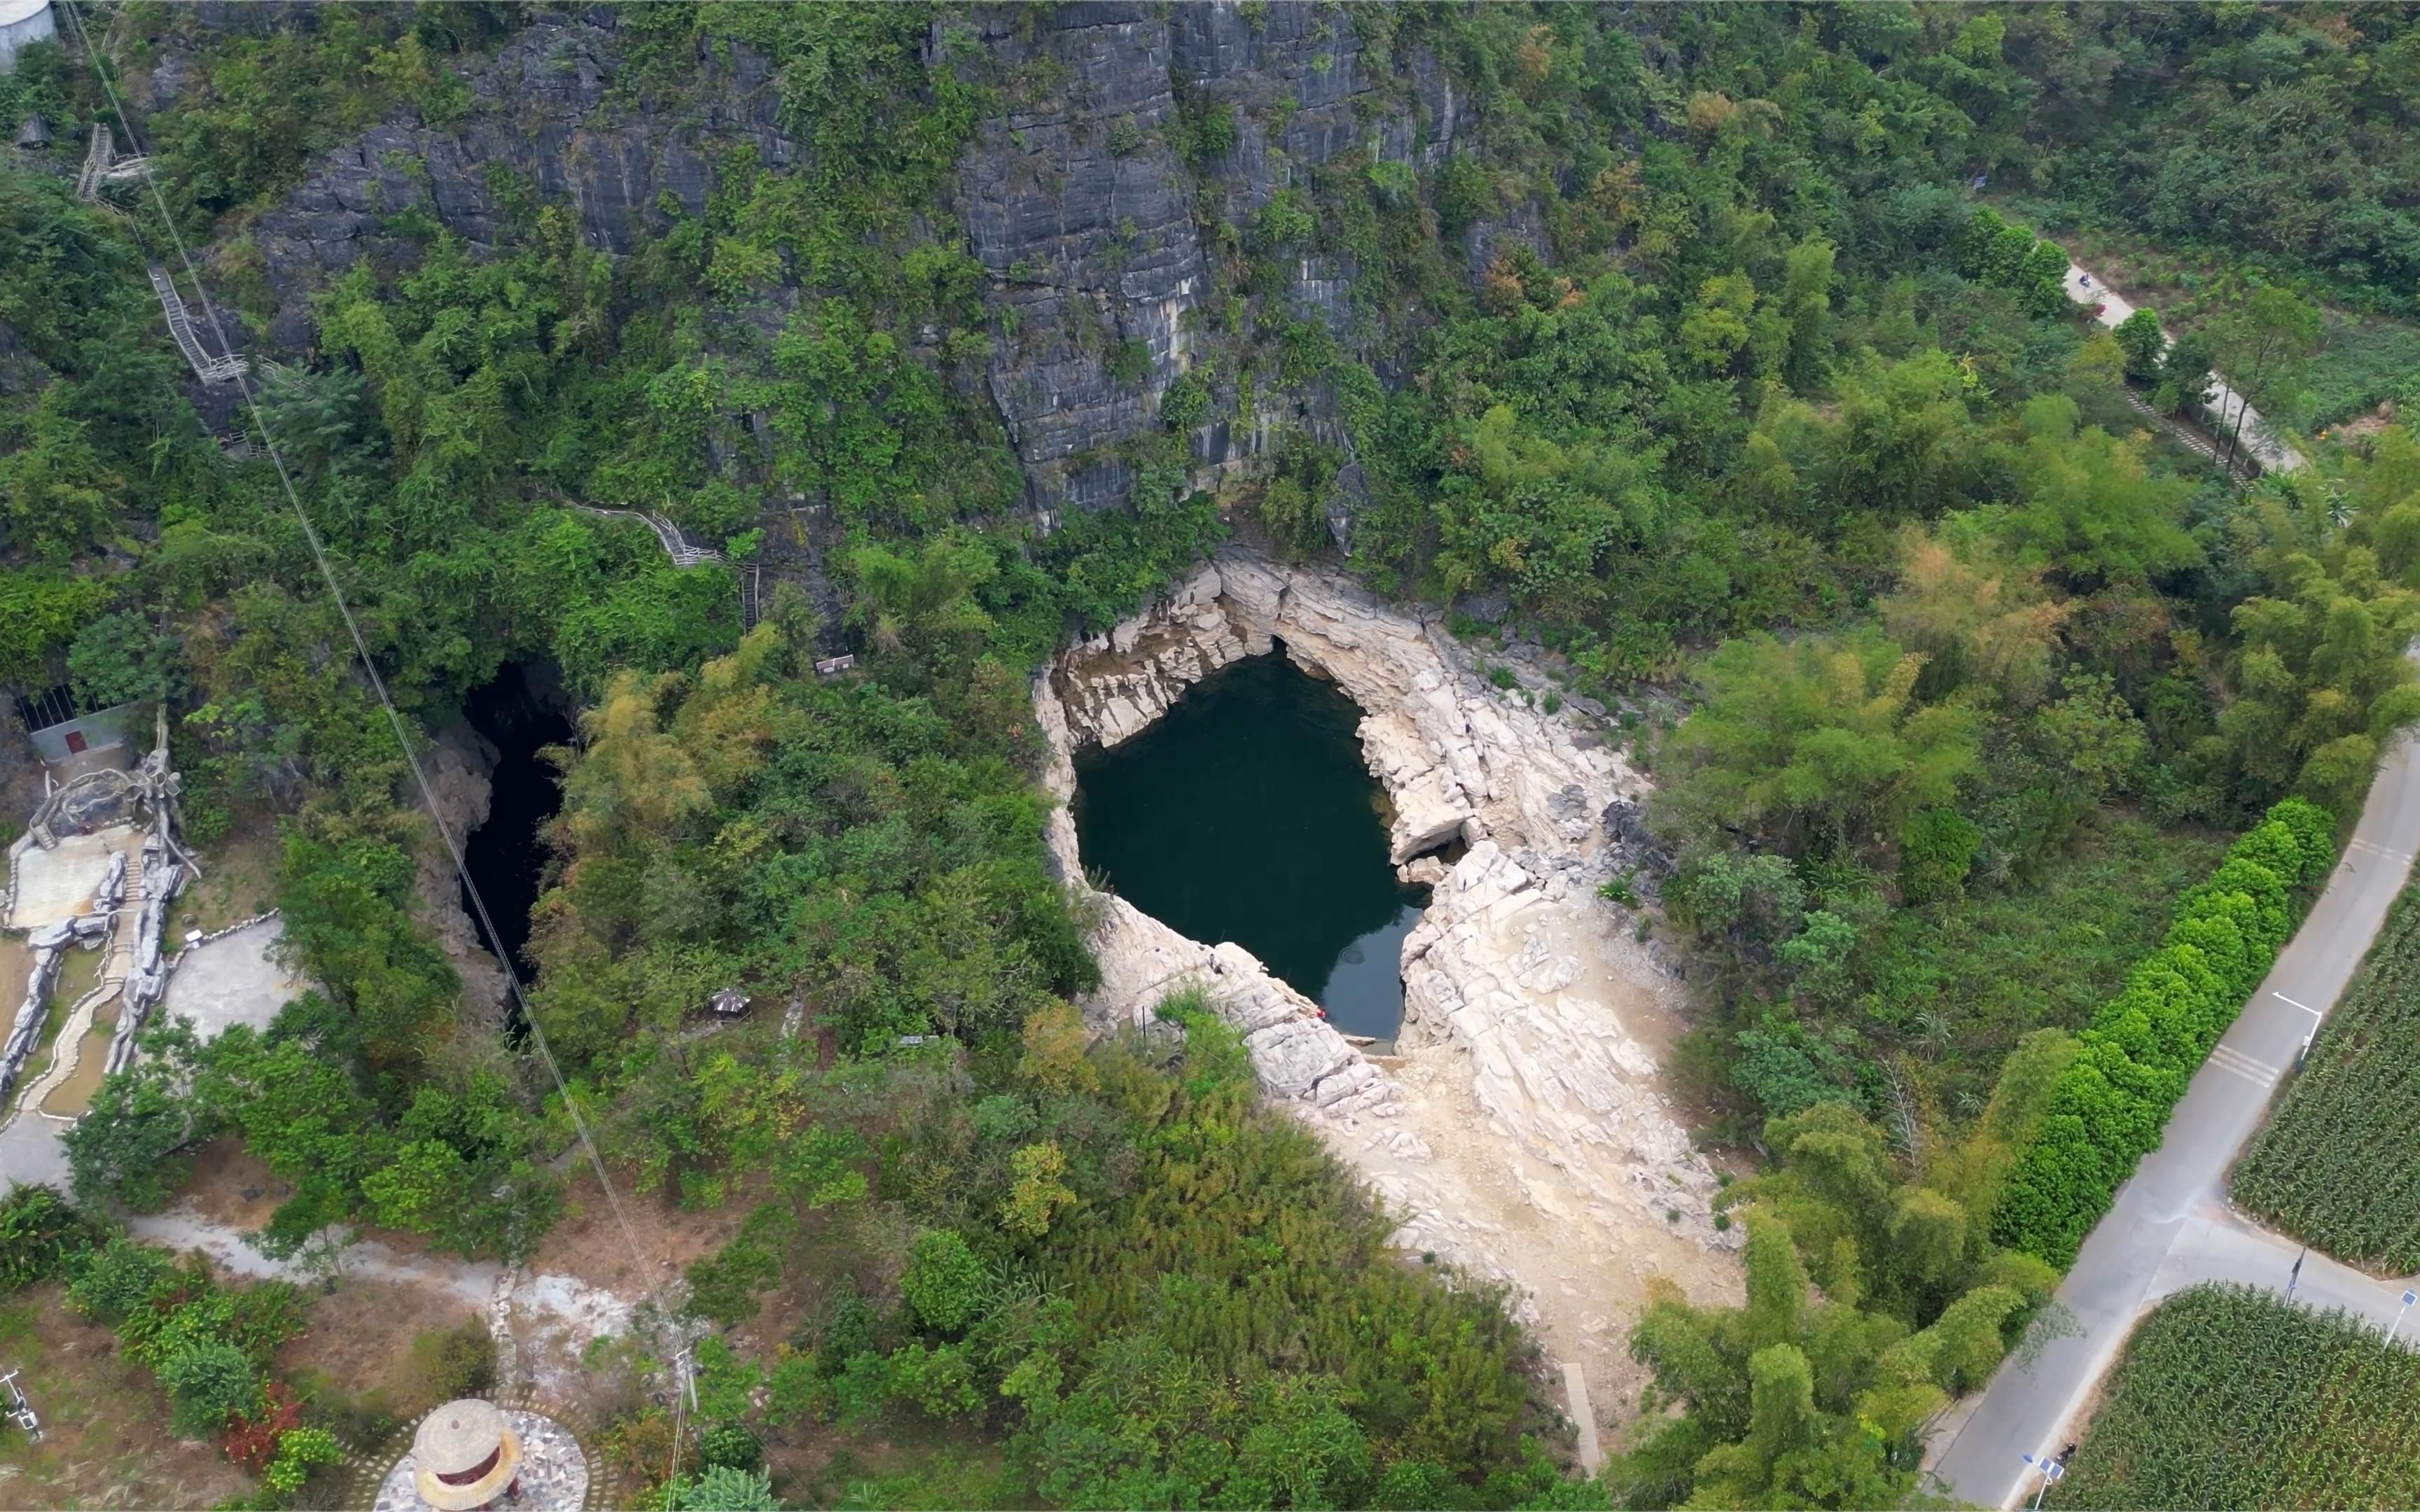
(1520,1131)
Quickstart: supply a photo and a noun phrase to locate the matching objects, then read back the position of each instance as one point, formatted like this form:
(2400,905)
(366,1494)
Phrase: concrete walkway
(2171,1226)
(2221,404)
(235,979)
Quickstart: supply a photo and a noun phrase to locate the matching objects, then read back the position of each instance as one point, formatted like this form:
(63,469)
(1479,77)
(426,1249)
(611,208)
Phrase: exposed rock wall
(21,770)
(1101,234)
(457,767)
(1094,228)
(539,119)
(1521,1130)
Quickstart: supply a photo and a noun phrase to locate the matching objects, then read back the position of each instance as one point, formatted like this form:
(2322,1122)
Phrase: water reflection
(1365,990)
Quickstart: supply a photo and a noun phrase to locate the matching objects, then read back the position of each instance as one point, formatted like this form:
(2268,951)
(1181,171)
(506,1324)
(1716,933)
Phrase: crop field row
(2336,1165)
(2228,1396)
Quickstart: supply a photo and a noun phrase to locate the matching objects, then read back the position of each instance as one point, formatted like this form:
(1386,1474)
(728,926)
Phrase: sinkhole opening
(1246,814)
(506,854)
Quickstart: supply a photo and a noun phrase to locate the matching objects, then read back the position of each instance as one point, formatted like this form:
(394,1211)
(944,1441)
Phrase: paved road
(2223,404)
(2171,1227)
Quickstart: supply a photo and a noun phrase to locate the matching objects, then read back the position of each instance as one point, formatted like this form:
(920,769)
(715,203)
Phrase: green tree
(131,1148)
(1716,326)
(1782,1403)
(119,659)
(2093,512)
(1805,303)
(2185,375)
(57,496)
(1820,738)
(1936,850)
(42,609)
(1982,621)
(2144,343)
(2260,346)
(2319,678)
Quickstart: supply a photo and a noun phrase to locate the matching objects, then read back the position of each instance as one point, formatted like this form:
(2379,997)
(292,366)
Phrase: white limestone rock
(1521,1088)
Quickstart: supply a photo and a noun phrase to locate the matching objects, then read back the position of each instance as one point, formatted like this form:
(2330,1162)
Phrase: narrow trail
(2224,405)
(540,1323)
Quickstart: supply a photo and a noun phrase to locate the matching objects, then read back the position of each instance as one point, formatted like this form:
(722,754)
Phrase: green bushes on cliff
(2107,1110)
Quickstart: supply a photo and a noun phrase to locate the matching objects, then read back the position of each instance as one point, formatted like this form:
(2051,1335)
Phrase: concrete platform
(231,980)
(30,1152)
(59,884)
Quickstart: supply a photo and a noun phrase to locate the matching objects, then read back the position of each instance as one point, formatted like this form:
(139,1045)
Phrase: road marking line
(2236,1063)
(2378,850)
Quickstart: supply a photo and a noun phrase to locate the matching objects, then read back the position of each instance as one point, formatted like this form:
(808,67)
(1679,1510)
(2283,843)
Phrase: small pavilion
(472,1455)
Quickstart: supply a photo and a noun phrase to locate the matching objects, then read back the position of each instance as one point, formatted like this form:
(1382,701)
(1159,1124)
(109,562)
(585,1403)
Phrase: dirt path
(540,1322)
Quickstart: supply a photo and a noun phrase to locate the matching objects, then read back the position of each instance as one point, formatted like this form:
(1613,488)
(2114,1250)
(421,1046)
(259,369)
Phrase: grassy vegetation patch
(1963,983)
(103,1417)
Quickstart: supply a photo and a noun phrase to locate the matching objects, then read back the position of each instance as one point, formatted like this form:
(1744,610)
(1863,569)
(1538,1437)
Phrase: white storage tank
(22,22)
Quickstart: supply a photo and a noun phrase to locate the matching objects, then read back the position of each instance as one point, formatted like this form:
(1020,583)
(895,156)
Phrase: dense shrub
(207,1381)
(38,1232)
(448,1362)
(724,1488)
(2107,1110)
(730,1445)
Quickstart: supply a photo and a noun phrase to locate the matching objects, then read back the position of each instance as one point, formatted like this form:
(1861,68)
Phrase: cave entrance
(506,855)
(1246,814)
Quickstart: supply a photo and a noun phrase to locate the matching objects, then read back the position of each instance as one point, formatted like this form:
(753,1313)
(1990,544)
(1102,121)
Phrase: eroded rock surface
(457,767)
(1108,244)
(1520,1132)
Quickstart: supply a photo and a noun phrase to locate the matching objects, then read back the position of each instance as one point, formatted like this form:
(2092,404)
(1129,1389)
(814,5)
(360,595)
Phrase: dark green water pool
(1246,814)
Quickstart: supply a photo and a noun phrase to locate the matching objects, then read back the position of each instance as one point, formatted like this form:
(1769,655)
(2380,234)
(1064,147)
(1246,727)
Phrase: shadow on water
(505,856)
(1246,814)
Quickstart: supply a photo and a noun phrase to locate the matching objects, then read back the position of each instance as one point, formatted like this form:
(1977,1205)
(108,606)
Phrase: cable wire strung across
(378,684)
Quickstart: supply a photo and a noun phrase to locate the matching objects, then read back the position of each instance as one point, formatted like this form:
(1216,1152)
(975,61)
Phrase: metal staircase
(102,164)
(208,368)
(667,535)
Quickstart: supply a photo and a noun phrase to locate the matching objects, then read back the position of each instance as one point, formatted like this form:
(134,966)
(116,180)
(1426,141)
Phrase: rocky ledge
(1520,1131)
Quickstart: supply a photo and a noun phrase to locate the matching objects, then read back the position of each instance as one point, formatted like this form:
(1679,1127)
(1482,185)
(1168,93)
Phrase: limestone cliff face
(1521,1122)
(457,767)
(539,120)
(1101,238)
(1093,225)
